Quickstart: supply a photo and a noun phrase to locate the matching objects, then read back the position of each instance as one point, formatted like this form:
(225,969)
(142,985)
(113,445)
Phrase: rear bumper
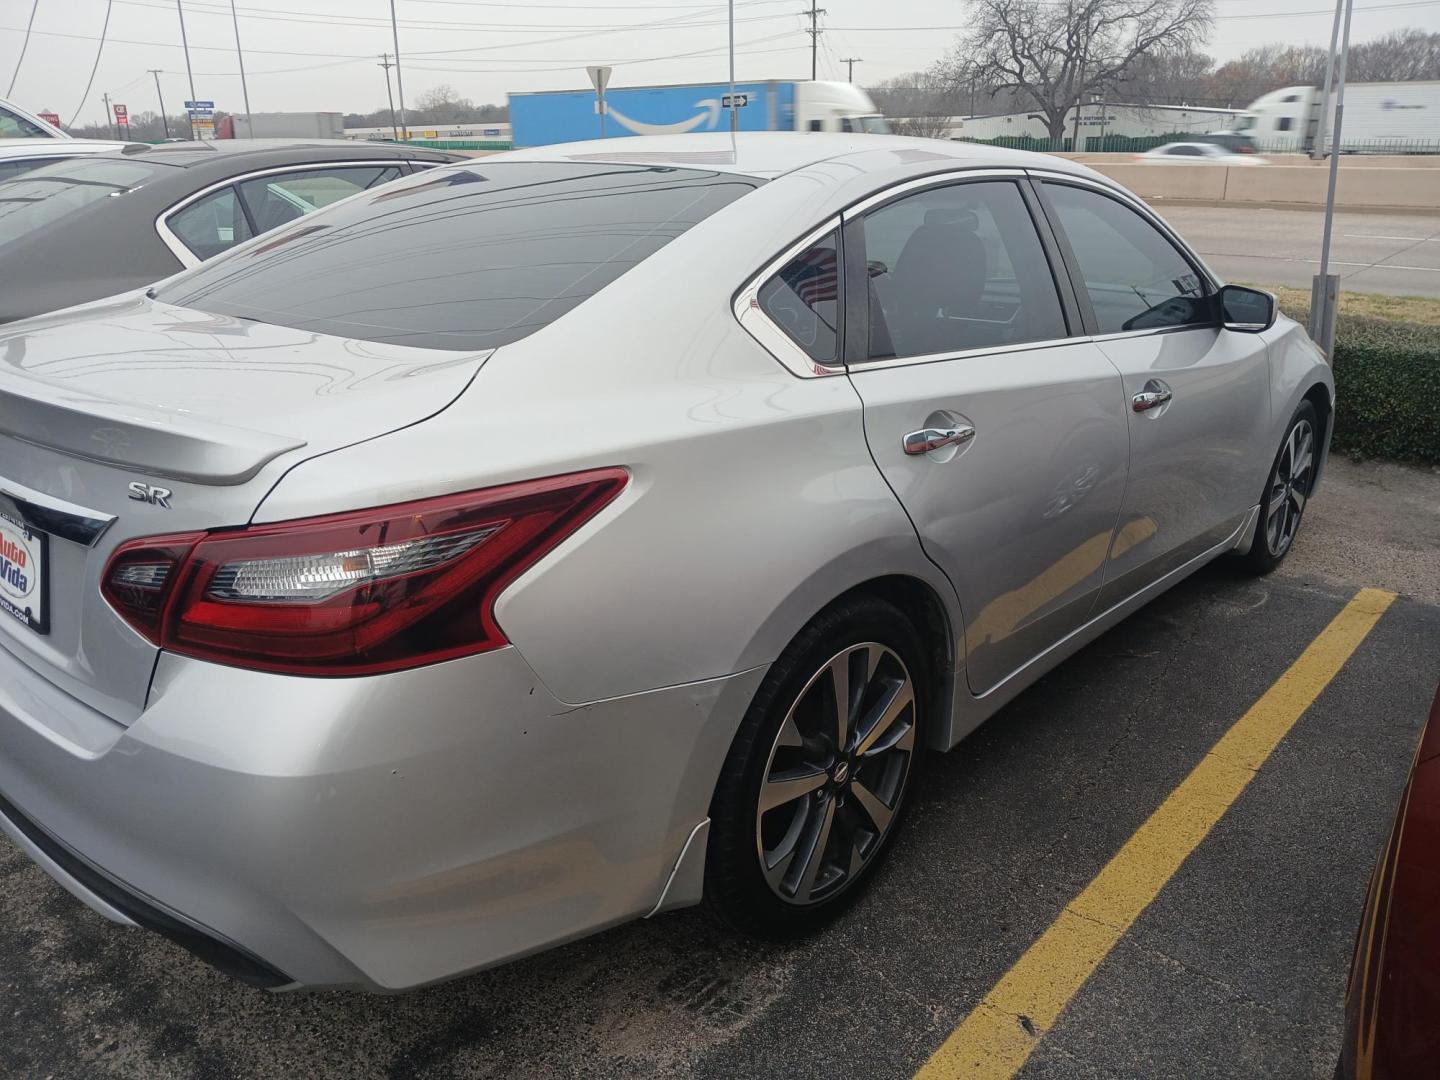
(378,833)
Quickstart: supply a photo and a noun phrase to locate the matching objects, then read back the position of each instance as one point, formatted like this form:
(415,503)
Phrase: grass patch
(1419,310)
(1387,372)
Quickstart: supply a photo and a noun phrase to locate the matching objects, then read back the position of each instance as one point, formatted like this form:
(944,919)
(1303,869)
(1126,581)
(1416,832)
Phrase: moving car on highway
(79,230)
(570,535)
(1197,153)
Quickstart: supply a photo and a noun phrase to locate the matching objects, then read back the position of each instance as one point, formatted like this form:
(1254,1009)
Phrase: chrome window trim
(752,318)
(943,179)
(967,354)
(187,258)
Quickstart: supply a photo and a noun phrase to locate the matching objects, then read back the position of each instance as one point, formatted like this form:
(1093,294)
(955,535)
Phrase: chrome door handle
(1149,399)
(927,439)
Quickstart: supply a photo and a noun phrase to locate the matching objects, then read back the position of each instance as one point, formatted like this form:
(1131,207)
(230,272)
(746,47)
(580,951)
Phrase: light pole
(244,90)
(189,73)
(399,82)
(1325,289)
(734,114)
(161,99)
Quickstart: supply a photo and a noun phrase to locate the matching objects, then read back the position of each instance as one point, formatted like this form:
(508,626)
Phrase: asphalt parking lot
(1235,969)
(1397,254)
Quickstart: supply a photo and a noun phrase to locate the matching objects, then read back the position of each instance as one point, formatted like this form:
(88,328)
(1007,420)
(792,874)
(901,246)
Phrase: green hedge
(1387,389)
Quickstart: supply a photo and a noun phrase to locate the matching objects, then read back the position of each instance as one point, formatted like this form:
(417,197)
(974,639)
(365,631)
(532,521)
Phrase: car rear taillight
(353,593)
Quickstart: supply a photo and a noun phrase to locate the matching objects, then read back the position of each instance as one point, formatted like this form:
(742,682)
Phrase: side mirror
(1248,311)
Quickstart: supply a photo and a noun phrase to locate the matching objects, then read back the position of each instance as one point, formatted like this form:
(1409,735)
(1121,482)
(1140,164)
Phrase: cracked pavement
(1235,970)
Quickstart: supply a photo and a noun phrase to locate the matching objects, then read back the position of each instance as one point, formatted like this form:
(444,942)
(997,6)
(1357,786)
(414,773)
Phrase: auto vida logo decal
(18,581)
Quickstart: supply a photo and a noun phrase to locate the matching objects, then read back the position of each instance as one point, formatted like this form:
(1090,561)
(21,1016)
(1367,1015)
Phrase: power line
(23,46)
(666,24)
(105,29)
(361,22)
(711,51)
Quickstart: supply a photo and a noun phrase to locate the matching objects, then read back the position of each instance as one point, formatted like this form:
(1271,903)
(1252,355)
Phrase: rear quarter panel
(753,501)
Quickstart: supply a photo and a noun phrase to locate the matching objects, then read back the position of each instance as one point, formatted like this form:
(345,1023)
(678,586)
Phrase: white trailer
(1397,117)
(1097,120)
(290,125)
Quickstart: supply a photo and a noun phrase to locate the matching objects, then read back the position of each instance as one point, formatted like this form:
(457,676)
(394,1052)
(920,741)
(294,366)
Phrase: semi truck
(1379,118)
(283,125)
(555,116)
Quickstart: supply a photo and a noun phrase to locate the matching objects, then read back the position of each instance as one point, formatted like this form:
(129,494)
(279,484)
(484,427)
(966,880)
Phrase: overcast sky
(322,54)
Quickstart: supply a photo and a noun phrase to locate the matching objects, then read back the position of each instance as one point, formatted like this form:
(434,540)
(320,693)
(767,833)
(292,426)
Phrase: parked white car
(1197,153)
(18,123)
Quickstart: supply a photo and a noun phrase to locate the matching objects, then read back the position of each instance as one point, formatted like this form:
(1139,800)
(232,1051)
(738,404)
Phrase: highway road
(1395,254)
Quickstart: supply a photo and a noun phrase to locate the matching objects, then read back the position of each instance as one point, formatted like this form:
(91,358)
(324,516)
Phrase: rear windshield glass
(34,199)
(461,258)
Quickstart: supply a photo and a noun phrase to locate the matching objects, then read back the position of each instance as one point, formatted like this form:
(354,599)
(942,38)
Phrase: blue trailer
(556,116)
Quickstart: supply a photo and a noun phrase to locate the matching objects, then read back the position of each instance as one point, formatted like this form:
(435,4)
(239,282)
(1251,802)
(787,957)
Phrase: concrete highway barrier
(1407,187)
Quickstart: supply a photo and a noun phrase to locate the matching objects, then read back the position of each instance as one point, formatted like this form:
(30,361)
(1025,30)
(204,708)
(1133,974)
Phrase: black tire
(1267,547)
(804,680)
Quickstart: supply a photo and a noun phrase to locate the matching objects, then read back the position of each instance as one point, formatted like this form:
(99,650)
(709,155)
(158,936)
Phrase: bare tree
(1269,67)
(1397,57)
(1167,77)
(1053,55)
(921,103)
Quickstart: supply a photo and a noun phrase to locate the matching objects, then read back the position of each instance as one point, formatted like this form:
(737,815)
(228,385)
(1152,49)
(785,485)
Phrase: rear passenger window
(1135,278)
(277,200)
(957,268)
(803,299)
(210,225)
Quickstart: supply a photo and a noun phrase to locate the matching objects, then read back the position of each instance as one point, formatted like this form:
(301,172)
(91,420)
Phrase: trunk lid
(129,417)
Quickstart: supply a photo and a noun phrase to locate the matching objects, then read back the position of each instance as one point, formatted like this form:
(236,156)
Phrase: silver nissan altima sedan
(571,535)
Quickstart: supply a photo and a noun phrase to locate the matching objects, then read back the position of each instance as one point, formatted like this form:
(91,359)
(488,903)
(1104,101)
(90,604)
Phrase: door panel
(1020,518)
(961,327)
(1192,460)
(1197,397)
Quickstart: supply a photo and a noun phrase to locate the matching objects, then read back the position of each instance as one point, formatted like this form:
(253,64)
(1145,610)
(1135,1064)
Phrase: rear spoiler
(139,438)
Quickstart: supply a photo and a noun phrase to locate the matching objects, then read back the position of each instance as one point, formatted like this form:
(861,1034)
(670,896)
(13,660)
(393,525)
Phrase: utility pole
(734,114)
(244,90)
(399,82)
(161,99)
(815,12)
(189,73)
(109,116)
(385,63)
(850,62)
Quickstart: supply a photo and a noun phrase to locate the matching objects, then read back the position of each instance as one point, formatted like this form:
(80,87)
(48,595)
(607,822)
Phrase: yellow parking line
(995,1040)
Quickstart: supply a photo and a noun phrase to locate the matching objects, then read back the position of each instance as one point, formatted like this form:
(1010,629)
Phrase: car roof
(239,154)
(769,154)
(19,148)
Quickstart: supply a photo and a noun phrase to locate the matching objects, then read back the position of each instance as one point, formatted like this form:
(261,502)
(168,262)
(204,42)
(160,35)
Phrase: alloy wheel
(1289,487)
(836,774)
